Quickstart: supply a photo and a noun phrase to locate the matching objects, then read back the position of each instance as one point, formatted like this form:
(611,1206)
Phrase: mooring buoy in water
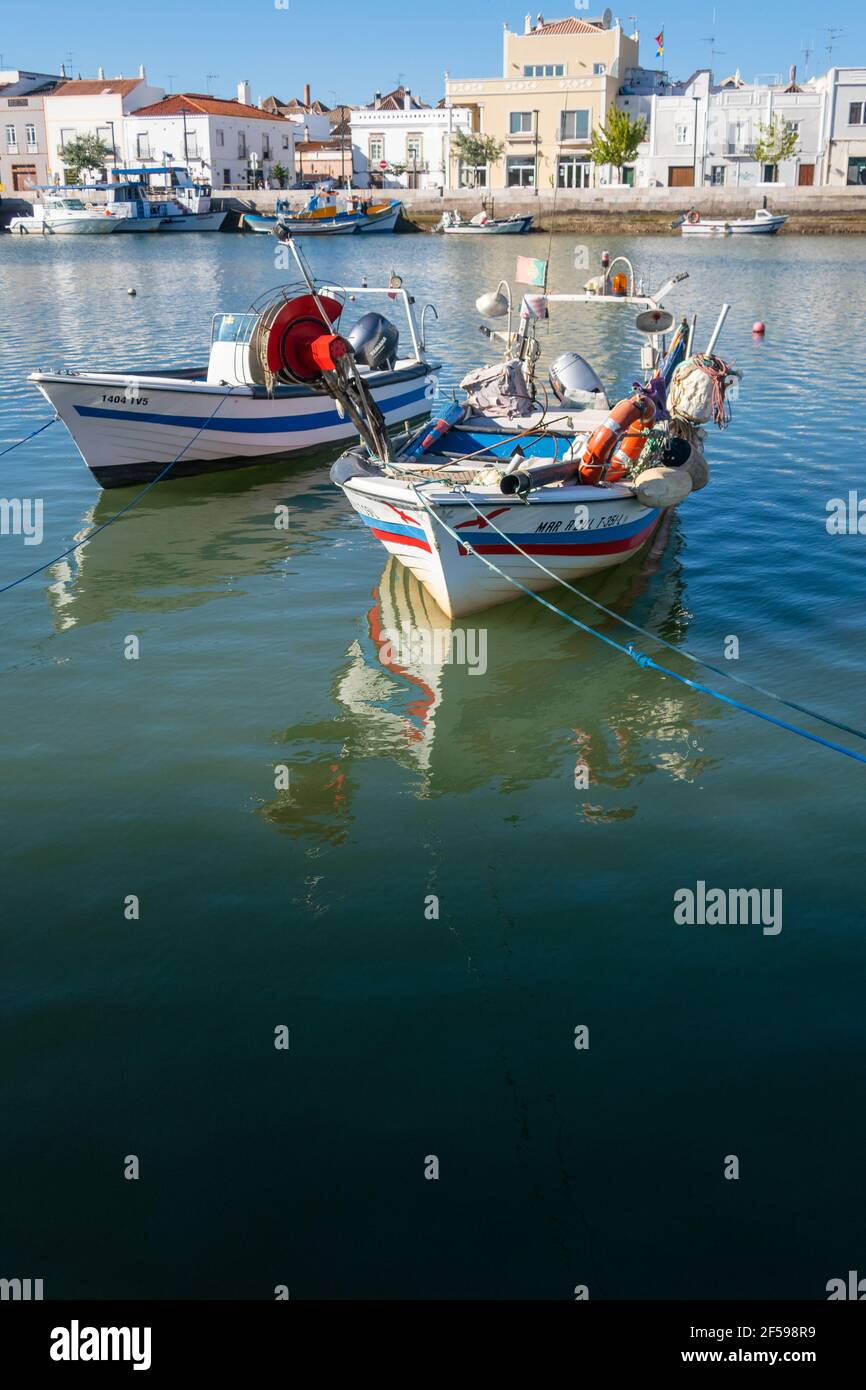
(759,328)
(131,291)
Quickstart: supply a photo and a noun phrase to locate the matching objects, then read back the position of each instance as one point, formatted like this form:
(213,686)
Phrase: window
(519,172)
(769,173)
(191,150)
(376,149)
(413,149)
(242,145)
(11,139)
(220,138)
(520,123)
(103,133)
(855,113)
(543,69)
(599,69)
(266,147)
(717,175)
(142,145)
(285,142)
(683,135)
(227,178)
(472,175)
(66,137)
(574,125)
(572,172)
(793,127)
(30,136)
(857,171)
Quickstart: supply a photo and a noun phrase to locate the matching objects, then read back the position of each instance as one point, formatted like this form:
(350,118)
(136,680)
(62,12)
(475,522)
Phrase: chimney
(527,24)
(62,69)
(100,74)
(377,100)
(792,75)
(141,72)
(244,93)
(407,99)
(307,94)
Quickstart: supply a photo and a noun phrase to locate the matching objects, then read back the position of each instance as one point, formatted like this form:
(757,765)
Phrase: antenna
(210,77)
(714,52)
(807,49)
(832,36)
(171,76)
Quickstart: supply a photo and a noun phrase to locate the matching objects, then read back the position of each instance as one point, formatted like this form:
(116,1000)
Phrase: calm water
(412,1037)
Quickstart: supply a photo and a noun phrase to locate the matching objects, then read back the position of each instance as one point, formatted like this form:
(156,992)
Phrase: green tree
(616,142)
(474,150)
(281,174)
(775,142)
(84,152)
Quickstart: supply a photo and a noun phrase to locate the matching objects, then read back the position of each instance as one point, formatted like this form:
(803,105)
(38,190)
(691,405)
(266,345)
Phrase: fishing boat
(59,214)
(328,220)
(499,495)
(761,223)
(264,222)
(483,225)
(161,198)
(256,398)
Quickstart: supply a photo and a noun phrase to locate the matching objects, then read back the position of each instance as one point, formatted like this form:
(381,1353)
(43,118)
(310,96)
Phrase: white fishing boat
(499,496)
(62,214)
(482,224)
(256,399)
(761,223)
(161,198)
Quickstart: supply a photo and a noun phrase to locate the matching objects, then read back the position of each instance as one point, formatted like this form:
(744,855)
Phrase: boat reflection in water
(525,698)
(181,547)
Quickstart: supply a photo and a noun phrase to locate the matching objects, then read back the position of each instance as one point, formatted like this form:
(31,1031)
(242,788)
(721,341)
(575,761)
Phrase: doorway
(681,176)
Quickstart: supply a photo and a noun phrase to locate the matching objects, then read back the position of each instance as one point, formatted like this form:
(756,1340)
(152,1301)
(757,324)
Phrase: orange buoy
(634,410)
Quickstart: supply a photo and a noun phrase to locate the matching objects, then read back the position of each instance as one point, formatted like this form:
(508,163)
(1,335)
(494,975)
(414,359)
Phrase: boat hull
(61,226)
(759,226)
(194,222)
(614,527)
(128,428)
(511,227)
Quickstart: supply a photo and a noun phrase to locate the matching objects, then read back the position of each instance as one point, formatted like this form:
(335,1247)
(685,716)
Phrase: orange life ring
(694,217)
(627,452)
(633,410)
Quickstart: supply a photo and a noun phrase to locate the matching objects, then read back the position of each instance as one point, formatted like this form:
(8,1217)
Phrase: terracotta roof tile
(119,86)
(198,104)
(566,26)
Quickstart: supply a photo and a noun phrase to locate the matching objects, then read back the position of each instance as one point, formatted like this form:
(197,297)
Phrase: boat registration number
(125,400)
(583,523)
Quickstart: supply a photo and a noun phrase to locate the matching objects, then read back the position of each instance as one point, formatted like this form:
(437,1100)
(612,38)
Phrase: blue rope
(32,435)
(671,646)
(639,657)
(126,508)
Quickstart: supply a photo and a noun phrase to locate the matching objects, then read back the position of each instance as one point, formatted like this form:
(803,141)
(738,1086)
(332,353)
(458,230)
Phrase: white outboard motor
(574,383)
(374,342)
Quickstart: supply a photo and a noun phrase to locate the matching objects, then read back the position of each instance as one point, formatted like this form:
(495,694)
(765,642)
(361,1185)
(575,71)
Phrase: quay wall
(625,211)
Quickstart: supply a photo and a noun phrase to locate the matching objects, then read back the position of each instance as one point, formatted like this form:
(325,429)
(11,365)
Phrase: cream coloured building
(559,79)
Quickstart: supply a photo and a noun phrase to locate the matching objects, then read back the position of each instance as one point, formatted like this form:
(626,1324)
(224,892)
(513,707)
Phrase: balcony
(738,150)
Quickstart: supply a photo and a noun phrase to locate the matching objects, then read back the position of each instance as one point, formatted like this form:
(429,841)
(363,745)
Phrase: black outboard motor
(574,383)
(374,342)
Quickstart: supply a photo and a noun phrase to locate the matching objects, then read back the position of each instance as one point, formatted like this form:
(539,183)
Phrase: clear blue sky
(348,50)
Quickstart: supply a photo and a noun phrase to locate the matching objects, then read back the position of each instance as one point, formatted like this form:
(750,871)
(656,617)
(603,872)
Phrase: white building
(24,147)
(93,107)
(701,134)
(844,153)
(399,142)
(229,144)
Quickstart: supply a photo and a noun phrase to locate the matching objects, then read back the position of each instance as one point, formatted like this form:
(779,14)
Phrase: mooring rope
(640,658)
(127,507)
(671,646)
(31,435)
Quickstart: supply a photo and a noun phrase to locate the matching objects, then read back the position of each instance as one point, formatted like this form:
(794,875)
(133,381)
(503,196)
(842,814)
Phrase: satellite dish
(606,19)
(654,321)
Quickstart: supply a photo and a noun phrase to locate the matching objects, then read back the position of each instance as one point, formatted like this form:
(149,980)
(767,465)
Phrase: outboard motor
(574,383)
(374,342)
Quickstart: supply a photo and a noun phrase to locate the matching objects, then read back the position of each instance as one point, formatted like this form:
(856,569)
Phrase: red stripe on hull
(611,548)
(399,539)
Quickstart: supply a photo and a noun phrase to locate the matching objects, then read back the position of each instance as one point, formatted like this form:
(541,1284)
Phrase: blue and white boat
(252,402)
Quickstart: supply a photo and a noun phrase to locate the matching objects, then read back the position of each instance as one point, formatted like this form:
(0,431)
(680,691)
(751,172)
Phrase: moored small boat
(61,215)
(482,225)
(762,223)
(329,220)
(253,402)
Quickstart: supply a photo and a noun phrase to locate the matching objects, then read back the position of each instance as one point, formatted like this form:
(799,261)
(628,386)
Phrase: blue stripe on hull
(325,419)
